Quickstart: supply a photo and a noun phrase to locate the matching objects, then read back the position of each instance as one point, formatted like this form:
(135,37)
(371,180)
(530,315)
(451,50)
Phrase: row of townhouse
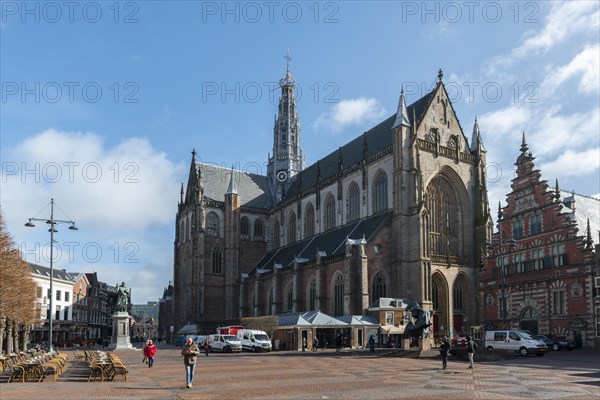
(82,306)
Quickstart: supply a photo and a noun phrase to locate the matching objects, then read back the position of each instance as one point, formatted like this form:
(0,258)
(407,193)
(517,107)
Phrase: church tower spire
(287,160)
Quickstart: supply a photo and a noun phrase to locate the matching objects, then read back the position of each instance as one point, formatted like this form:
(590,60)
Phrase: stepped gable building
(544,277)
(400,211)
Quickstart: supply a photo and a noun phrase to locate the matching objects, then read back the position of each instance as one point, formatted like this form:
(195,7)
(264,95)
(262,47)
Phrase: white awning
(391,330)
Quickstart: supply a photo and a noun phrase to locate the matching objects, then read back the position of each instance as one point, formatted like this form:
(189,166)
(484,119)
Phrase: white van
(514,340)
(253,340)
(224,343)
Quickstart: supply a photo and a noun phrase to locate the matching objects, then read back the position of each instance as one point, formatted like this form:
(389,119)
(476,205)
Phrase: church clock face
(282,176)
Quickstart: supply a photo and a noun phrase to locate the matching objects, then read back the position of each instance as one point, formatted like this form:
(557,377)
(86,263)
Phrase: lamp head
(30,224)
(73,227)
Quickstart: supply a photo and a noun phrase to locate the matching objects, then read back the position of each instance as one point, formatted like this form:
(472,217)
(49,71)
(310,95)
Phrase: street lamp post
(51,222)
(500,243)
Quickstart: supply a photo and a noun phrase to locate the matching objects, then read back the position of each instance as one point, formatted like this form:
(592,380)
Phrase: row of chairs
(103,365)
(24,367)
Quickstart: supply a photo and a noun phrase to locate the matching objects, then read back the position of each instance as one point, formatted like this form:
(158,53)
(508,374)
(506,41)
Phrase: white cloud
(585,65)
(564,21)
(586,162)
(507,121)
(123,199)
(353,112)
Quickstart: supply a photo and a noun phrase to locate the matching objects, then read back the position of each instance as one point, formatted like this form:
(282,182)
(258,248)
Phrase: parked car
(556,343)
(514,340)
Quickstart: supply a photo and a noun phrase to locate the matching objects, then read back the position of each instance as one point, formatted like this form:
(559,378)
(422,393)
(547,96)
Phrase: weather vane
(288,58)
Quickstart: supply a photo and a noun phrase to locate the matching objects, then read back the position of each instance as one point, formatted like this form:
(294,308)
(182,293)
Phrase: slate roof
(252,188)
(376,139)
(387,302)
(45,271)
(331,242)
(585,208)
(318,319)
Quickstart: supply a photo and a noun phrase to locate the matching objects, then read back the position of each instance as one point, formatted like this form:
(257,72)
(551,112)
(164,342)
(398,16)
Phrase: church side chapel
(401,211)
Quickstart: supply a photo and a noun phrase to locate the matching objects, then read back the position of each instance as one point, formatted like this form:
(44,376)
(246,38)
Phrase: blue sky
(102,102)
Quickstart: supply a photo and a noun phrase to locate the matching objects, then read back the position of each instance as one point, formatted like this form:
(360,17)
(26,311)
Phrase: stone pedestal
(405,344)
(424,344)
(120,337)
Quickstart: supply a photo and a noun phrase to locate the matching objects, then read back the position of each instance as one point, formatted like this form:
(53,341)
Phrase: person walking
(144,352)
(372,344)
(471,347)
(315,344)
(189,351)
(338,343)
(149,352)
(444,348)
(206,348)
(304,344)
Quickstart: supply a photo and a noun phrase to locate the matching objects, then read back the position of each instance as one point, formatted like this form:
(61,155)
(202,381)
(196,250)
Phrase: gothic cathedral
(400,211)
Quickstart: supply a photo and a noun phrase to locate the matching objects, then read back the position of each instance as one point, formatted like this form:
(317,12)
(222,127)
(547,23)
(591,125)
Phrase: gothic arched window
(458,296)
(291,228)
(380,193)
(353,202)
(270,302)
(435,298)
(259,230)
(289,297)
(312,295)
(309,220)
(217,261)
(338,295)
(212,224)
(379,287)
(329,212)
(276,233)
(444,217)
(244,226)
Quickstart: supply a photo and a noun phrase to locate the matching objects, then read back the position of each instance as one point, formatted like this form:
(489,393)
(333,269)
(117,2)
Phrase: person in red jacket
(150,351)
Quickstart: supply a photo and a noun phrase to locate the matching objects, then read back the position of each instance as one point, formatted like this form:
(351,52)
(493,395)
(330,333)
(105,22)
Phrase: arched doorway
(439,297)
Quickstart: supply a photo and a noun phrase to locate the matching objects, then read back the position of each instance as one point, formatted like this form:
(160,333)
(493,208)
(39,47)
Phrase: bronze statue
(122,298)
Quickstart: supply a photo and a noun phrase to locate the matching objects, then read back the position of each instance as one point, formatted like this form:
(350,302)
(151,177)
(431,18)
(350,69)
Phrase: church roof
(376,139)
(585,208)
(318,319)
(331,242)
(252,188)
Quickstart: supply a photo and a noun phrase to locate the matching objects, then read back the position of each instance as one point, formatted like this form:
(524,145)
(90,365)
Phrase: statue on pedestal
(122,298)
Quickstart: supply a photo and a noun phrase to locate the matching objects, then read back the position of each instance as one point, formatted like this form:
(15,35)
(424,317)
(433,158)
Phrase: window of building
(536,224)
(389,318)
(309,220)
(58,295)
(338,295)
(329,212)
(245,227)
(67,295)
(517,229)
(289,298)
(380,196)
(217,261)
(558,255)
(312,295)
(66,313)
(212,224)
(444,215)
(379,287)
(435,298)
(559,306)
(519,261)
(598,321)
(57,312)
(259,231)
(537,258)
(270,302)
(39,292)
(276,235)
(353,202)
(458,296)
(291,228)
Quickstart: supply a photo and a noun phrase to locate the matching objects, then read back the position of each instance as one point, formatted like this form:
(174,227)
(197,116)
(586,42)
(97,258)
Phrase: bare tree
(17,288)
